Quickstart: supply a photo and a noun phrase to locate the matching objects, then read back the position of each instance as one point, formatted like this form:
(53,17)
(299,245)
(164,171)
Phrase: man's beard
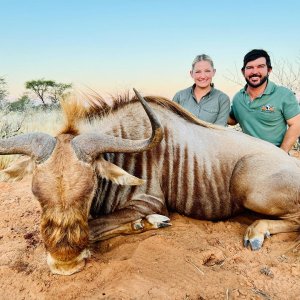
(261,82)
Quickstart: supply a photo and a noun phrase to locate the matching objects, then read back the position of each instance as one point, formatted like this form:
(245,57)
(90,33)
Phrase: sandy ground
(190,260)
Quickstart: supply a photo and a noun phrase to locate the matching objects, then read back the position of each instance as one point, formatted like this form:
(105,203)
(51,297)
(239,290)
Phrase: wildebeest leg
(123,222)
(270,189)
(260,229)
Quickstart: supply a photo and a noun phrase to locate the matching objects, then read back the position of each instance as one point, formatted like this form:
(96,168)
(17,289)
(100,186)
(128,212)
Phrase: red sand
(190,260)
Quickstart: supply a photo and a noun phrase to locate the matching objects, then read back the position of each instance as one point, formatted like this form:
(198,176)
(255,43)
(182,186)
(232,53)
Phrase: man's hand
(231,121)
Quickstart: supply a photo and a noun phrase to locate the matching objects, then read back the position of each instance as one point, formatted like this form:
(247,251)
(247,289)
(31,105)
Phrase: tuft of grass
(6,160)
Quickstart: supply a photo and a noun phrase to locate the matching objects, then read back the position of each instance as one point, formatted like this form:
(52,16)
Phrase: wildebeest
(119,169)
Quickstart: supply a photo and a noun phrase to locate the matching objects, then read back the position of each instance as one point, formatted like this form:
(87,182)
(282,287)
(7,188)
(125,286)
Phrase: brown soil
(190,260)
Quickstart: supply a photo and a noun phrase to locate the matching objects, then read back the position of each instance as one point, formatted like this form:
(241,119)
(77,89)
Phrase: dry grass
(14,123)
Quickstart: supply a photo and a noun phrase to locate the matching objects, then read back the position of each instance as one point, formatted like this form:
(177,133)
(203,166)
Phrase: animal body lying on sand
(119,169)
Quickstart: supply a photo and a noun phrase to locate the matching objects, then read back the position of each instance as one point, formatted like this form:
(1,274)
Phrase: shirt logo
(268,108)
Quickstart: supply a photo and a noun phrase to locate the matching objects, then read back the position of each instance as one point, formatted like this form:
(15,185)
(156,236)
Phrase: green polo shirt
(265,117)
(214,107)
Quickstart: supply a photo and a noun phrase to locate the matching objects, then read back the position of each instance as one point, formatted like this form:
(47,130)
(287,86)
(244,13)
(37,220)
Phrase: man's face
(256,72)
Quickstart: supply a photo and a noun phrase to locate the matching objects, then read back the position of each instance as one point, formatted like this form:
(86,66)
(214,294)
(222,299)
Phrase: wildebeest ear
(114,173)
(18,170)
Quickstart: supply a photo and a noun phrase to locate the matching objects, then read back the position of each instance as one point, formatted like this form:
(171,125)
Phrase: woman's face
(203,73)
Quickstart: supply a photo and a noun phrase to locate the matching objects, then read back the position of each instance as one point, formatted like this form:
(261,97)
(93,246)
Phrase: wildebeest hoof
(153,221)
(255,244)
(158,221)
(257,241)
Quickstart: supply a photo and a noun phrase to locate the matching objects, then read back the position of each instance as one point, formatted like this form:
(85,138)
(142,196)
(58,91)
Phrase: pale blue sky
(114,45)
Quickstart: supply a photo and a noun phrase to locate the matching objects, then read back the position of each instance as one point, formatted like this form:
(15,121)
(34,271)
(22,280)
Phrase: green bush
(20,105)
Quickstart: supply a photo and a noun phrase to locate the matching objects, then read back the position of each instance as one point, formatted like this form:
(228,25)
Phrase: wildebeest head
(65,180)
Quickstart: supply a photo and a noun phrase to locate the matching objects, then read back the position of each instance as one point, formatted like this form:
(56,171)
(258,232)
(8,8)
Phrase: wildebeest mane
(95,107)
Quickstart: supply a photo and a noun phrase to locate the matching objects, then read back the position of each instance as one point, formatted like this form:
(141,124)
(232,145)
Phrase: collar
(268,90)
(210,92)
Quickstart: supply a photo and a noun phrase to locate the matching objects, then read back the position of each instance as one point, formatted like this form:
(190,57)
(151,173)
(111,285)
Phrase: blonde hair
(202,57)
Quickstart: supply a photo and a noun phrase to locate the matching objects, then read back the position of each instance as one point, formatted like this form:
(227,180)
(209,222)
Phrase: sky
(112,46)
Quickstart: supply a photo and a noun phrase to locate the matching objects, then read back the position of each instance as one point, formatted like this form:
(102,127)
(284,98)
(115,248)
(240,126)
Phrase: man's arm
(292,133)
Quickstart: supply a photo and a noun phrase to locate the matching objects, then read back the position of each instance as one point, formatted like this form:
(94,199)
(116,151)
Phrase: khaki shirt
(214,107)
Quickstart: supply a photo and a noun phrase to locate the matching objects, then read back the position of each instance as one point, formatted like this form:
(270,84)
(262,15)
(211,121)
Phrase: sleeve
(176,98)
(224,108)
(290,106)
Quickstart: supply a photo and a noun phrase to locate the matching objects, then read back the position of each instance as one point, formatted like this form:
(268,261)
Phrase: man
(263,109)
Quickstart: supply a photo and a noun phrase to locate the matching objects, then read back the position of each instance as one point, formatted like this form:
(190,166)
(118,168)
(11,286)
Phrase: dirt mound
(190,260)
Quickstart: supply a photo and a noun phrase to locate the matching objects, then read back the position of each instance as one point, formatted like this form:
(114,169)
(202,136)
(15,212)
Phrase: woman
(202,99)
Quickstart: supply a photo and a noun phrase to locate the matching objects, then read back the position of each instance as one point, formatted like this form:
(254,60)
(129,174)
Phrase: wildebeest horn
(37,145)
(91,145)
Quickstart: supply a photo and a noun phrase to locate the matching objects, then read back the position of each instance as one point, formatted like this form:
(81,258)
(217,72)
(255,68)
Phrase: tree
(235,76)
(287,74)
(20,105)
(47,89)
(57,91)
(40,87)
(3,90)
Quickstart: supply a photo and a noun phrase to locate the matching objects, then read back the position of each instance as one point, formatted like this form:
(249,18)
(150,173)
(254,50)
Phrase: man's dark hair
(255,54)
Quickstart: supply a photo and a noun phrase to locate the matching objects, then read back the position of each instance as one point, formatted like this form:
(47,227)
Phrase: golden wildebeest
(118,170)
